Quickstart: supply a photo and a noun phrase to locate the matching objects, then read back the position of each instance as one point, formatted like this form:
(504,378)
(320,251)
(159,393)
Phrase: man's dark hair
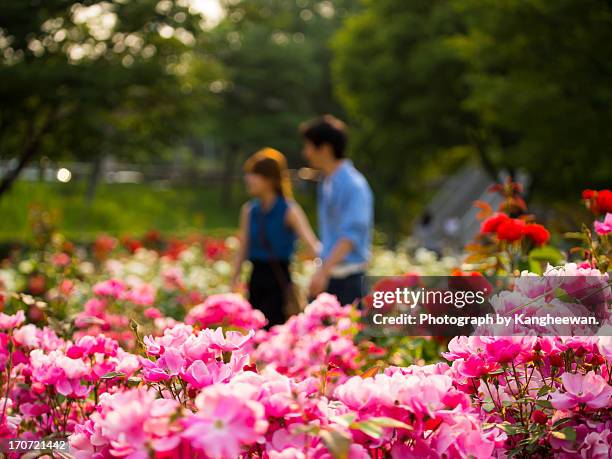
(326,129)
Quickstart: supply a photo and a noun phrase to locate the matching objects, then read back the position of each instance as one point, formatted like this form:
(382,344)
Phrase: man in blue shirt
(345,211)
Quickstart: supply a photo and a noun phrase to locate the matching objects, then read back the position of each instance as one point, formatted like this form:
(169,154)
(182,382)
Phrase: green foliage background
(427,86)
(514,84)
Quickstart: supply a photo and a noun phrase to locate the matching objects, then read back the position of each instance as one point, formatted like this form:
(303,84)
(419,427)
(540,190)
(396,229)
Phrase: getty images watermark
(474,305)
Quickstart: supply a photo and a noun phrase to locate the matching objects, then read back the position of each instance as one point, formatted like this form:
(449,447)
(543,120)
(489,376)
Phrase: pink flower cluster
(7,324)
(440,419)
(228,310)
(195,359)
(303,390)
(141,293)
(222,414)
(529,384)
(73,371)
(48,384)
(569,291)
(225,420)
(127,424)
(106,311)
(308,343)
(404,412)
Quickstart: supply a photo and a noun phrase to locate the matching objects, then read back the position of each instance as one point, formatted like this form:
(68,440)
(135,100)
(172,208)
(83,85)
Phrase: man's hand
(319,282)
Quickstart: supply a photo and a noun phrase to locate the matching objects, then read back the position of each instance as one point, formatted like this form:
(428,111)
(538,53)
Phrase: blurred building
(449,220)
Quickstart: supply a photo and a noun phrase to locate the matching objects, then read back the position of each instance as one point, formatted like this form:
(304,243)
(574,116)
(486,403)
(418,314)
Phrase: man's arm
(354,221)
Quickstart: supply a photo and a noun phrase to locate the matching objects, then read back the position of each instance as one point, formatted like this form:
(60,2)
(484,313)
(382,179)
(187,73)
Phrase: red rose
(37,284)
(103,245)
(556,359)
(491,224)
(132,245)
(152,237)
(537,233)
(588,194)
(469,281)
(511,230)
(597,359)
(604,201)
(539,417)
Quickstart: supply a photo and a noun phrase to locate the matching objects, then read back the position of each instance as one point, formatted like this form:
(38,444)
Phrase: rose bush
(136,349)
(214,393)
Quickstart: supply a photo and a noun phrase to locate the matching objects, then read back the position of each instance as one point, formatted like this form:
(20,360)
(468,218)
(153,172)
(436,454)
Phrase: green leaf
(337,443)
(345,420)
(488,406)
(575,235)
(541,256)
(369,428)
(567,433)
(544,403)
(544,390)
(510,429)
(560,422)
(374,427)
(562,295)
(310,429)
(390,422)
(112,375)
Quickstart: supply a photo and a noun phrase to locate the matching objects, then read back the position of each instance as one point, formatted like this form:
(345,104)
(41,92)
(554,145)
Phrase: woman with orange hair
(270,223)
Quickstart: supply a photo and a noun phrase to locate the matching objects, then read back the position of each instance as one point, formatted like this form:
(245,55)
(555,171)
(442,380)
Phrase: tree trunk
(43,165)
(485,161)
(94,179)
(32,145)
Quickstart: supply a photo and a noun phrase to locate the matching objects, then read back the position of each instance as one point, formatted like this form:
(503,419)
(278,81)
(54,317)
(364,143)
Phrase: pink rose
(590,389)
(604,227)
(8,322)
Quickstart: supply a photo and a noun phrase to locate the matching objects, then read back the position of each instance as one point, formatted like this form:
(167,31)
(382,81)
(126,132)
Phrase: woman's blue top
(269,236)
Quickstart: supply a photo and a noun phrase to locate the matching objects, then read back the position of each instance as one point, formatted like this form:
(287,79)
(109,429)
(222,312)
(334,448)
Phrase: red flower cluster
(131,243)
(537,233)
(103,246)
(491,224)
(514,229)
(511,230)
(600,202)
(473,281)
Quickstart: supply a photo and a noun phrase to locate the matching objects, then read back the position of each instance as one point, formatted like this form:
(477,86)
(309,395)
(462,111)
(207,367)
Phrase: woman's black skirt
(267,289)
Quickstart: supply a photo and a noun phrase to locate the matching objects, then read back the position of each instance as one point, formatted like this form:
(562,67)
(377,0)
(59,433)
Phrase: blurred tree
(518,84)
(276,58)
(81,78)
(401,83)
(540,79)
